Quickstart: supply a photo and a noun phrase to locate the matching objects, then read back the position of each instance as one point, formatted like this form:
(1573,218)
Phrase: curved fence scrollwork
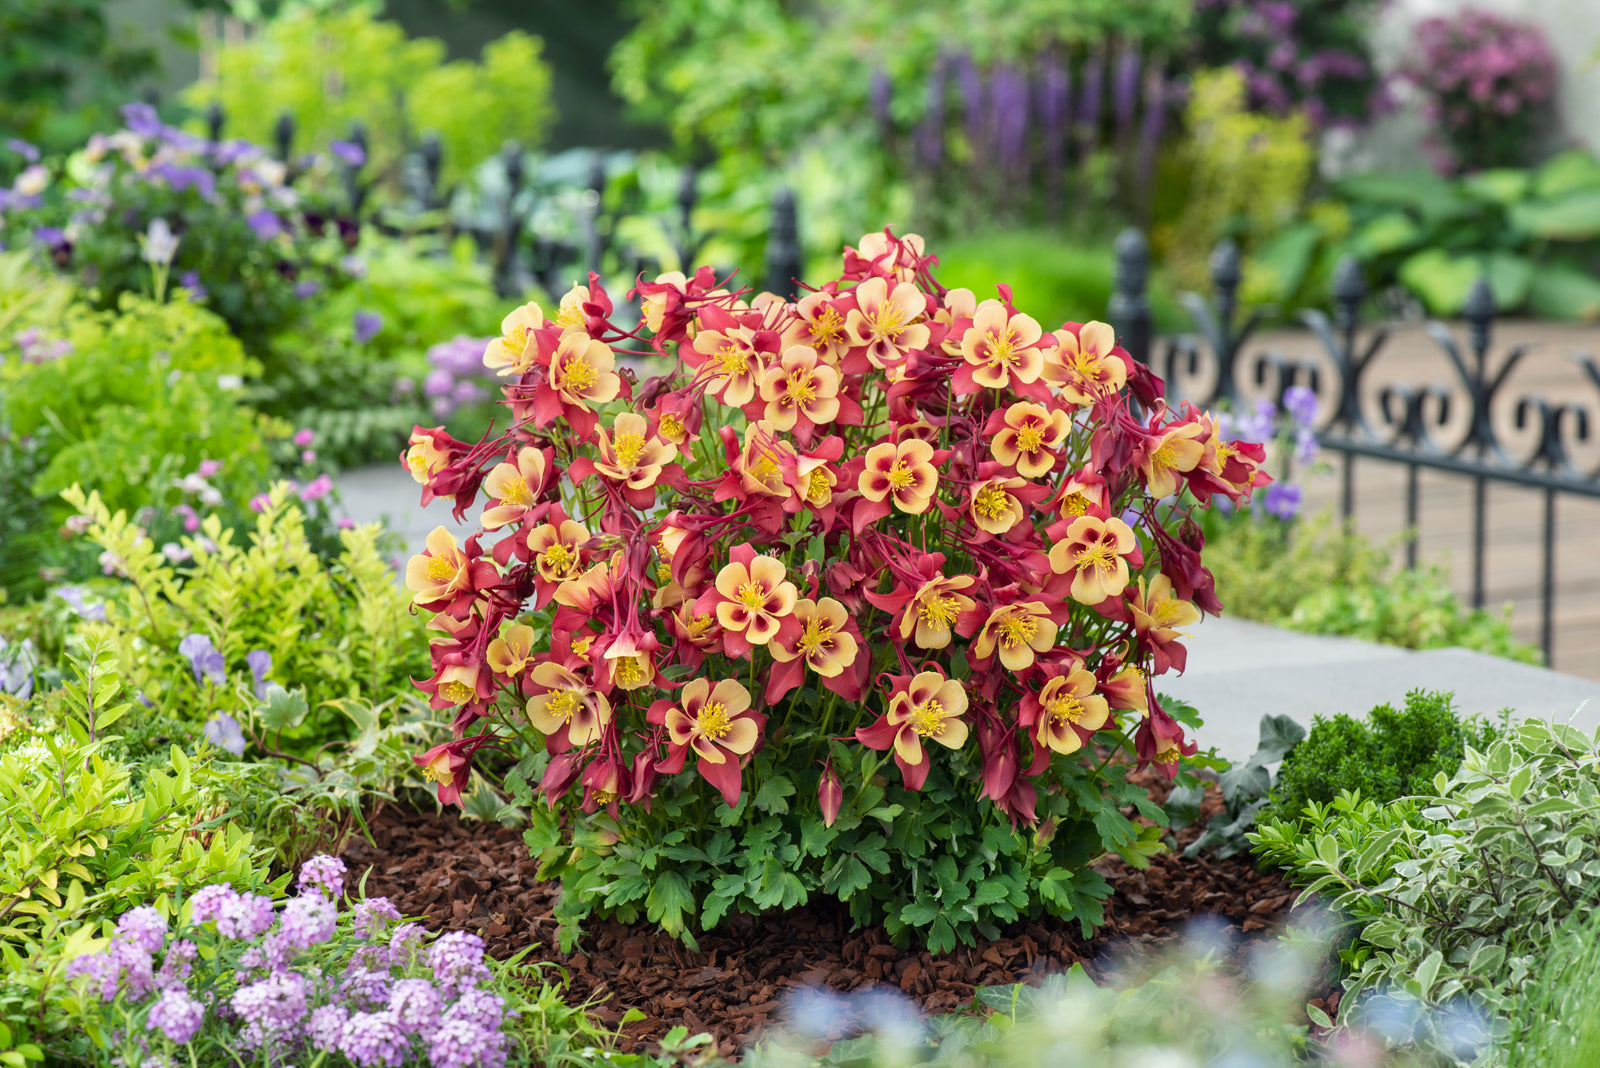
(1457,426)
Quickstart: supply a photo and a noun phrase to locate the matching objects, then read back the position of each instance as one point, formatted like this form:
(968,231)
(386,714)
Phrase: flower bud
(830,795)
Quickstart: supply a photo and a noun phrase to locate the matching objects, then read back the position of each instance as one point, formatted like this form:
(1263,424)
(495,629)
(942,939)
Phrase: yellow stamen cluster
(558,558)
(826,328)
(713,720)
(818,491)
(1003,348)
(927,719)
(516,341)
(562,704)
(991,502)
(801,388)
(577,374)
(1075,504)
(1100,555)
(700,624)
(440,567)
(888,321)
(817,635)
(753,595)
(671,426)
(1064,709)
(433,774)
(733,361)
(628,447)
(940,610)
(515,491)
(900,475)
(1164,457)
(663,573)
(1030,436)
(628,672)
(456,692)
(1018,630)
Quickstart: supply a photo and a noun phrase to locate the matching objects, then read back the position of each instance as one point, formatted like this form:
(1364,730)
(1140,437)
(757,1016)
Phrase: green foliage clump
(337,632)
(939,865)
(1459,893)
(1239,173)
(1393,753)
(331,68)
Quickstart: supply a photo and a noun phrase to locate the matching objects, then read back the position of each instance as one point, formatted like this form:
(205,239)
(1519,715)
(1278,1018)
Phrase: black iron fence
(500,224)
(1362,417)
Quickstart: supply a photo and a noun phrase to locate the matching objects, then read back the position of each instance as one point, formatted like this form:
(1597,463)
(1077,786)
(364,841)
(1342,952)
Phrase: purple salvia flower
(1008,101)
(930,135)
(1055,103)
(322,871)
(177,1015)
(143,927)
(203,658)
(1151,125)
(971,98)
(881,92)
(1125,87)
(1094,76)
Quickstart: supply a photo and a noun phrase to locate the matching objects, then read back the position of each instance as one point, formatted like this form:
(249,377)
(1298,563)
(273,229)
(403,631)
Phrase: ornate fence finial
(1480,312)
(1349,290)
(783,245)
(1129,309)
(432,153)
(214,120)
(1226,273)
(283,135)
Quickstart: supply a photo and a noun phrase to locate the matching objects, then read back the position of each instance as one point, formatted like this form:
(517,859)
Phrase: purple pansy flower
(1283,500)
(349,153)
(266,224)
(204,658)
(224,732)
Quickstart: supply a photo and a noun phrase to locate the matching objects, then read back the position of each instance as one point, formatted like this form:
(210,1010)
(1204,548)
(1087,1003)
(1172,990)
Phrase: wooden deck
(1513,561)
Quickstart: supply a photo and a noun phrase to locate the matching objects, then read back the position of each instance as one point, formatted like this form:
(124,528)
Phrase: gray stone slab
(1241,671)
(386,492)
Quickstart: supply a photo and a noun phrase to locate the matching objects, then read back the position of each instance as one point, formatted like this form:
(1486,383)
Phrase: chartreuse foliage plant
(212,638)
(1458,894)
(889,522)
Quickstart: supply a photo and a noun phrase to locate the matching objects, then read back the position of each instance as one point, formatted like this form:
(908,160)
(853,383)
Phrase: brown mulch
(479,877)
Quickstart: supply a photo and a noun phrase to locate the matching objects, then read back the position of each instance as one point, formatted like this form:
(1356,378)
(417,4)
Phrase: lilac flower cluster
(1489,82)
(34,347)
(458,377)
(287,982)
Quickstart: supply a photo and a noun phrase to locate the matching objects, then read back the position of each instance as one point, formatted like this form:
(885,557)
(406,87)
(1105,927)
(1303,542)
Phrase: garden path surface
(479,877)
(1513,559)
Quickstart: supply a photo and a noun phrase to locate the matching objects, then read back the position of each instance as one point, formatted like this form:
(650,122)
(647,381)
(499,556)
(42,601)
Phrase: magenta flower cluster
(301,983)
(1489,82)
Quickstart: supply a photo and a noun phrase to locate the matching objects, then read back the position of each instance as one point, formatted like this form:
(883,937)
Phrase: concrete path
(1238,671)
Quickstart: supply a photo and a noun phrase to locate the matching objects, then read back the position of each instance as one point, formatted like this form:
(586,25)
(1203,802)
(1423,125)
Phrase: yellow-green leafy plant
(1239,173)
(332,68)
(207,639)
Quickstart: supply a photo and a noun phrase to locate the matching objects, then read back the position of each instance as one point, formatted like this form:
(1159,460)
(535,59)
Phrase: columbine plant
(886,521)
(238,981)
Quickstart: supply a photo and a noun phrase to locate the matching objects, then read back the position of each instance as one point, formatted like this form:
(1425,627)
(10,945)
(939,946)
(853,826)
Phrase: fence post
(594,207)
(1226,273)
(1480,311)
(283,135)
(783,246)
(1349,290)
(432,152)
(505,271)
(1129,308)
(688,196)
(214,119)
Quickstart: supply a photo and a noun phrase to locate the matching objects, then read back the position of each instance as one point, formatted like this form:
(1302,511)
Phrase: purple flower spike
(204,658)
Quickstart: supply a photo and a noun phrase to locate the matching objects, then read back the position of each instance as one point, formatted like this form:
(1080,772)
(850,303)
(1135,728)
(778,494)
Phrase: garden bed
(479,877)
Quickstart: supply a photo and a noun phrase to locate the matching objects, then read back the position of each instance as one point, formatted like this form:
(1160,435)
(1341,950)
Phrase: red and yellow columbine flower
(1125,689)
(668,288)
(994,506)
(1083,367)
(800,392)
(449,765)
(515,351)
(442,574)
(752,599)
(717,725)
(1157,614)
(1064,710)
(927,614)
(956,304)
(882,254)
(565,708)
(1082,493)
(925,705)
(1095,553)
(555,550)
(1001,350)
(581,371)
(1168,453)
(902,471)
(1018,633)
(820,324)
(725,354)
(570,313)
(514,487)
(1025,435)
(824,641)
(887,323)
(425,457)
(630,454)
(510,653)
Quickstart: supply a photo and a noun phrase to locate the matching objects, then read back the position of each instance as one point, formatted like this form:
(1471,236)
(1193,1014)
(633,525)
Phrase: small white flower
(160,244)
(175,553)
(32,181)
(210,496)
(230,382)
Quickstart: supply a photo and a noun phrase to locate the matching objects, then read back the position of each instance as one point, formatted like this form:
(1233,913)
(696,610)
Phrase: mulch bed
(479,877)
